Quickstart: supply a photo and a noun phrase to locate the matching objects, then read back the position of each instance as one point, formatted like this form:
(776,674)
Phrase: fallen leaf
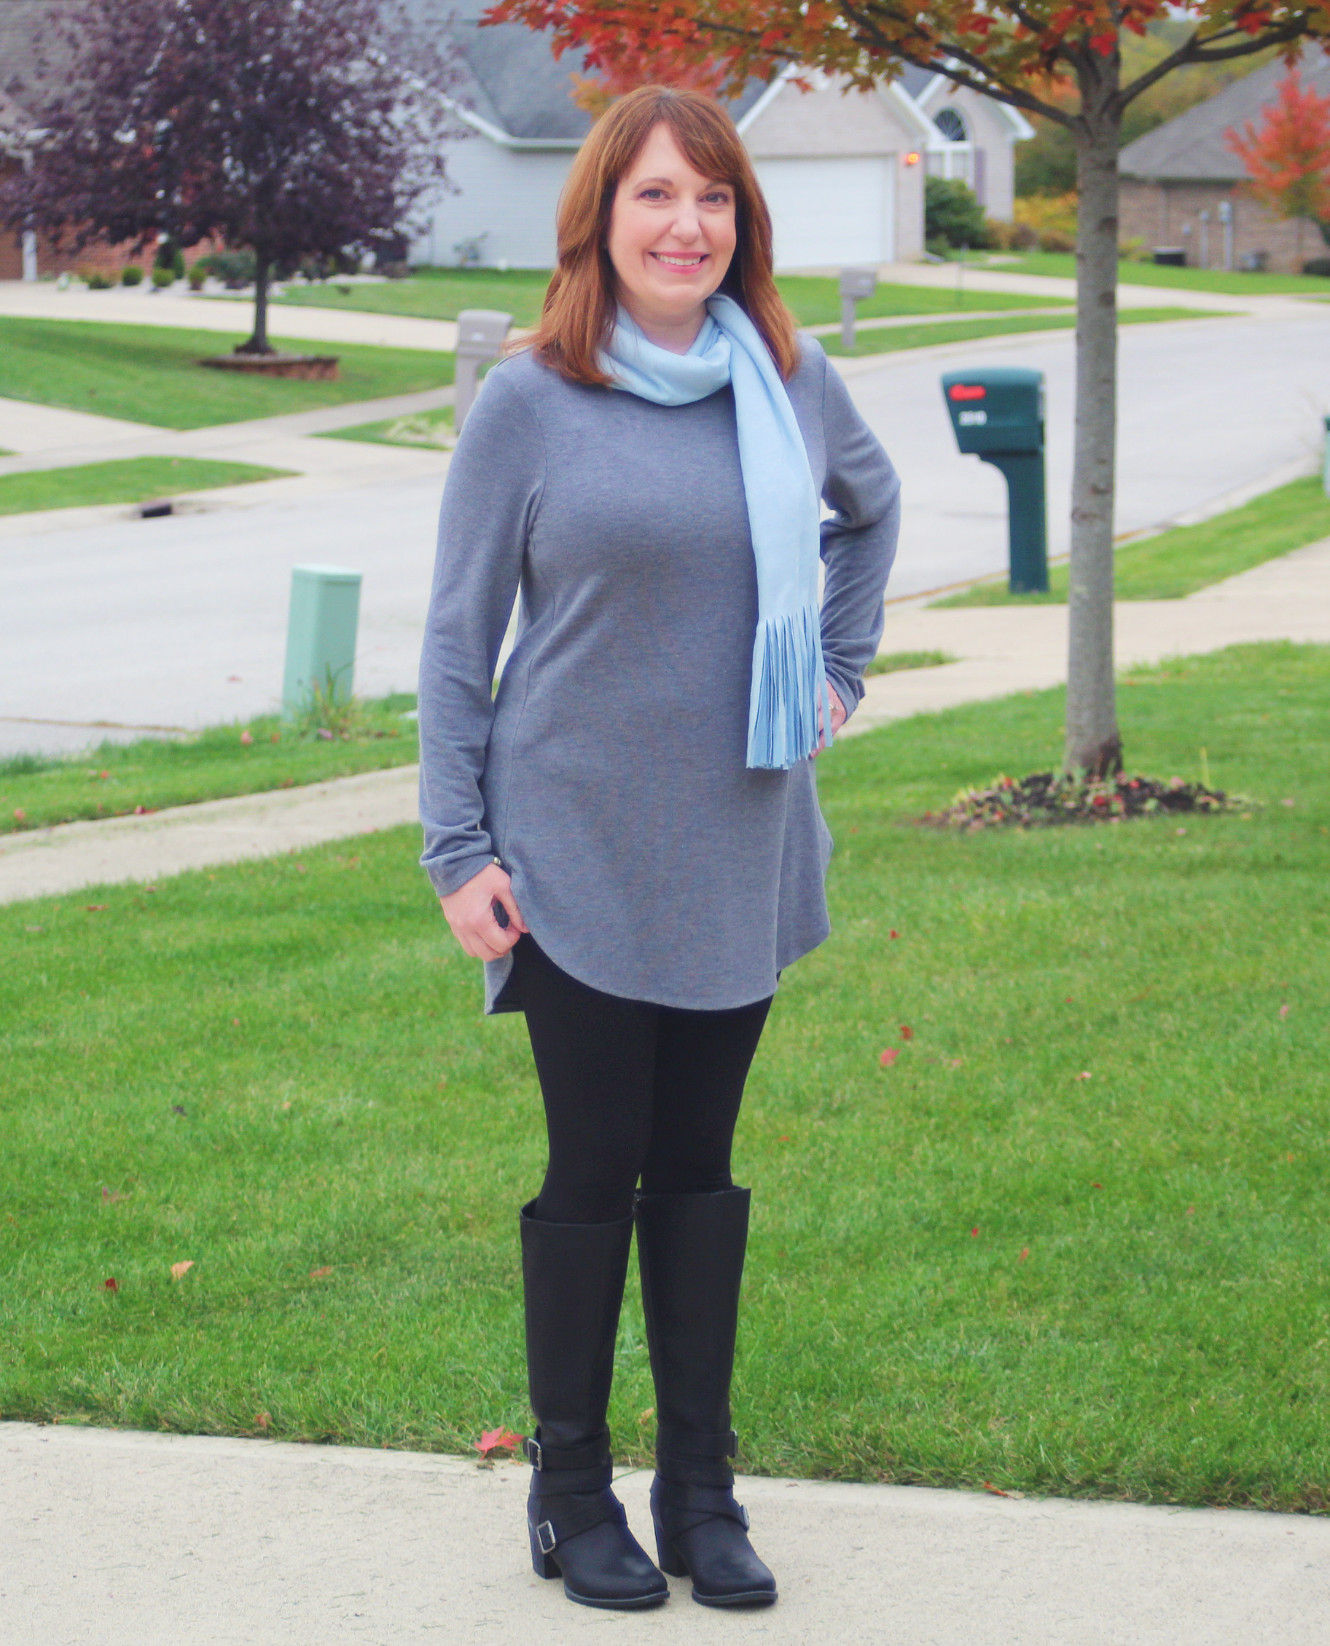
(180,1270)
(497,1440)
(646,1416)
(109,1195)
(1283,1011)
(179,1108)
(783,1139)
(1191,1211)
(1179,831)
(318,1274)
(893,933)
(34,928)
(142,811)
(996,1490)
(103,774)
(235,1022)
(1096,1185)
(1025,1252)
(247,736)
(1083,1075)
(975,1230)
(889,1057)
(110,1284)
(1289,802)
(96,908)
(263,1419)
(907,1033)
(956,1062)
(275,738)
(20,816)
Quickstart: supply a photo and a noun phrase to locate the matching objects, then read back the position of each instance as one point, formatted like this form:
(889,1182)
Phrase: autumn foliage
(1288,156)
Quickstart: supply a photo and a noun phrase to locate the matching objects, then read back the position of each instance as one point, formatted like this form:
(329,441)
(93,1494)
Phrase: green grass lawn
(888,339)
(154,772)
(431,429)
(1072,1240)
(126,480)
(895,662)
(151,374)
(1176,563)
(441,294)
(1232,283)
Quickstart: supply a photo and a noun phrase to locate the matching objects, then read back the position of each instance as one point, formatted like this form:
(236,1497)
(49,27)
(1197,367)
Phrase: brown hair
(580,302)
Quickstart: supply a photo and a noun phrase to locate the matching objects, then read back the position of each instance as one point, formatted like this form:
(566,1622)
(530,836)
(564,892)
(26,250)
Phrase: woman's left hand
(838,718)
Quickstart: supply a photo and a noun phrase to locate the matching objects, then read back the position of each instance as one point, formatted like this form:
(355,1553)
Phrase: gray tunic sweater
(607,774)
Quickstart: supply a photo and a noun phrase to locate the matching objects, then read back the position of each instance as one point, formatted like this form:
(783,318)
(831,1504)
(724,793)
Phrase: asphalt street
(181,621)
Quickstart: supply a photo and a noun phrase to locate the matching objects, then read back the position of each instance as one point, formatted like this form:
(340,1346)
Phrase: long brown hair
(581,300)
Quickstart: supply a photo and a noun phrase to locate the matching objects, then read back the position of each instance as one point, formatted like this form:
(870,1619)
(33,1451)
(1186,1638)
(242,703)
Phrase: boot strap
(691,1505)
(696,1443)
(589,1456)
(569,1519)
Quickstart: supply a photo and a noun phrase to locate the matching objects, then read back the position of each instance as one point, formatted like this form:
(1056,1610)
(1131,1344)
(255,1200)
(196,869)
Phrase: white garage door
(829,212)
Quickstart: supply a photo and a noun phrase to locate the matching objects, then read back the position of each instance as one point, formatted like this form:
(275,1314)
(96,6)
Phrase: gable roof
(21,25)
(1191,148)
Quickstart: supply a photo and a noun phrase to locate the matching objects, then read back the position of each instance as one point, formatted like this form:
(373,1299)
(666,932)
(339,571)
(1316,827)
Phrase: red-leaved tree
(1288,156)
(1016,51)
(298,128)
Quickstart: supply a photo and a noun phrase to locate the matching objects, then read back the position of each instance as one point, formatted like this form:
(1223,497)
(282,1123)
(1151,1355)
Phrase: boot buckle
(536,1458)
(545,1537)
(743,1515)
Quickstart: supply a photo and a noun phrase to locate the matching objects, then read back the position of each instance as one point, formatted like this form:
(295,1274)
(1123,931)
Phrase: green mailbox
(997,413)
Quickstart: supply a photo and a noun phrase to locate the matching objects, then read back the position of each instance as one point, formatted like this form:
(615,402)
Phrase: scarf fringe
(789,685)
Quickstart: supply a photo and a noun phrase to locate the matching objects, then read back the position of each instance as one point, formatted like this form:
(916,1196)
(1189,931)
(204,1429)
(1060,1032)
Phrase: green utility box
(320,636)
(997,414)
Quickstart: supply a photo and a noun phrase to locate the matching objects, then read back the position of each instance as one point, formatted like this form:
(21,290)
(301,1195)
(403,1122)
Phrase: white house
(843,172)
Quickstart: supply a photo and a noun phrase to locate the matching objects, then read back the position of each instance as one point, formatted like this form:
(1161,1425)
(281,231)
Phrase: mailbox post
(1325,472)
(997,413)
(480,335)
(854,284)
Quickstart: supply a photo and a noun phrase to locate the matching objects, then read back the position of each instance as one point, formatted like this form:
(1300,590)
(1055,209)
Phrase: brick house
(1180,180)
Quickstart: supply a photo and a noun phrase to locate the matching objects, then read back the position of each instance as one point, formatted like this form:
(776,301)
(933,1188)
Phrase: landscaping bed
(1038,1140)
(1054,797)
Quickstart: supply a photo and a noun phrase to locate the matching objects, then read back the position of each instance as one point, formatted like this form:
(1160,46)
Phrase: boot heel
(544,1565)
(666,1558)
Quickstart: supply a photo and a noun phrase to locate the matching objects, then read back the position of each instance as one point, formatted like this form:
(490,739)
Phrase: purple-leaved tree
(297,128)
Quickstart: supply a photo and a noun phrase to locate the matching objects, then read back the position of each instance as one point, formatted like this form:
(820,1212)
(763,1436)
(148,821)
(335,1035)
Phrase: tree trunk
(1093,745)
(258,343)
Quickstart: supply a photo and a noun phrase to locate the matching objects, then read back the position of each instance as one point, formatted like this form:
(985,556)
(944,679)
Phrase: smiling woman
(627,832)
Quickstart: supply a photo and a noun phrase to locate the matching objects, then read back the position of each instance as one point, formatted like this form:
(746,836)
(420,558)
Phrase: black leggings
(631,1091)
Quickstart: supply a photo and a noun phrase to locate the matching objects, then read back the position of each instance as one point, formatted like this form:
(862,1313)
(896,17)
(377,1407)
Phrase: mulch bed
(1053,797)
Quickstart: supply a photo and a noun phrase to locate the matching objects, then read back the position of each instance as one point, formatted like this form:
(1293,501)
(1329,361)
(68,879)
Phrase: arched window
(951,123)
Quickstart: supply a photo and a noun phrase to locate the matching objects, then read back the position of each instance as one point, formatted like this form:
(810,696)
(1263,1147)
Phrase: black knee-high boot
(691,1251)
(573,1275)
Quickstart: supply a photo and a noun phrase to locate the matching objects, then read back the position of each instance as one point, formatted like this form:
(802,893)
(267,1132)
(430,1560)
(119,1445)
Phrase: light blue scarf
(789,681)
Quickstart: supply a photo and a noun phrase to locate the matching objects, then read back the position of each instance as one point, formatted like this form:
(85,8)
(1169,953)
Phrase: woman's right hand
(469,911)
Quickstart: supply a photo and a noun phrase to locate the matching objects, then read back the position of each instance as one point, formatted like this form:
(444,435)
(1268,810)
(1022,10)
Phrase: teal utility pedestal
(997,413)
(320,636)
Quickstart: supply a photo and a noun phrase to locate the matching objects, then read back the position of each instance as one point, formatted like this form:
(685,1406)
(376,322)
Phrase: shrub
(162,278)
(169,256)
(131,275)
(198,278)
(1051,218)
(1011,236)
(1134,250)
(952,213)
(95,280)
(1317,265)
(233,268)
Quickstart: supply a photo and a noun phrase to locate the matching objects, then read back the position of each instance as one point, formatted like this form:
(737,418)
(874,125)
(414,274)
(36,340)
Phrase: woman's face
(671,238)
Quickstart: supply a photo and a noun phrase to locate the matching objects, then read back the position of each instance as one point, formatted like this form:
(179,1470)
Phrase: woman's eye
(652,194)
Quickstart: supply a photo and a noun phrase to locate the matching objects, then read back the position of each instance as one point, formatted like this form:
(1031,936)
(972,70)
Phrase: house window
(951,123)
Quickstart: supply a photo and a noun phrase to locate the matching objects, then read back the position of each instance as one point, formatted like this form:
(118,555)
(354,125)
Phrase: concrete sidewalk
(158,1540)
(998,649)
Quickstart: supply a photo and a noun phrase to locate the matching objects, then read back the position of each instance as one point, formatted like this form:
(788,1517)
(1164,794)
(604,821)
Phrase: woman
(627,833)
